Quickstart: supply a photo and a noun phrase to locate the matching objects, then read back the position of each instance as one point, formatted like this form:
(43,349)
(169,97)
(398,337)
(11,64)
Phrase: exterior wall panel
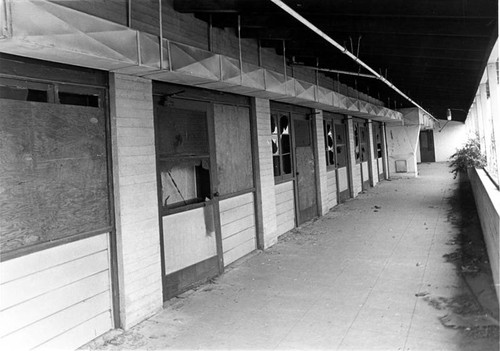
(487,201)
(285,207)
(238,227)
(47,295)
(136,198)
(332,189)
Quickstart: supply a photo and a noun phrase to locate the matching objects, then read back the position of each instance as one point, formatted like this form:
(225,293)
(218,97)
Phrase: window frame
(188,105)
(277,115)
(329,121)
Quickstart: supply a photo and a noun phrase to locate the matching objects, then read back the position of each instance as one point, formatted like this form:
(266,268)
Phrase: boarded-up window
(53,172)
(233,148)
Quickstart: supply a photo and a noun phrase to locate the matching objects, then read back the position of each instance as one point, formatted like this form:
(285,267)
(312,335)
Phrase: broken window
(184,157)
(16,89)
(281,145)
(341,145)
(329,144)
(377,140)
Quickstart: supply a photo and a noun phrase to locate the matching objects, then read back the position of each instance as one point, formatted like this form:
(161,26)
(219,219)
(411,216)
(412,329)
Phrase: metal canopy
(433,51)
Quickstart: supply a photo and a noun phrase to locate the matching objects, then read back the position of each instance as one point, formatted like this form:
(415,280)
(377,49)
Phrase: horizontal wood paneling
(47,296)
(238,226)
(44,330)
(80,334)
(332,189)
(285,207)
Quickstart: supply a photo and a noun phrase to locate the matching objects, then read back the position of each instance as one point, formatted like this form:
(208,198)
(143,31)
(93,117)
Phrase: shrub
(467,156)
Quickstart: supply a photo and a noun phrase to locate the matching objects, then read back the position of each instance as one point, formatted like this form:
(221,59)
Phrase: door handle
(296,173)
(216,194)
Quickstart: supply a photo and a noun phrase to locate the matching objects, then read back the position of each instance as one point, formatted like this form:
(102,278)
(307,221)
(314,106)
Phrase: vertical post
(495,113)
(160,24)
(480,121)
(486,120)
(385,154)
(239,49)
(129,13)
(210,26)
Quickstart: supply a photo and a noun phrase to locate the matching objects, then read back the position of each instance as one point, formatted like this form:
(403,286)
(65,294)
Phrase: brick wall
(267,207)
(136,201)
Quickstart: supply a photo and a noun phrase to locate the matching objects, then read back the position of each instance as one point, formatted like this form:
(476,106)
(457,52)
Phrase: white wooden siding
(59,297)
(238,227)
(285,207)
(332,189)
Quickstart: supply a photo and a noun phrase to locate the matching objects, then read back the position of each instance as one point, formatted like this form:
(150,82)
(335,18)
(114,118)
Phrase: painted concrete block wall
(320,160)
(136,198)
(371,155)
(332,189)
(402,146)
(285,207)
(265,175)
(451,137)
(237,216)
(487,199)
(355,174)
(58,298)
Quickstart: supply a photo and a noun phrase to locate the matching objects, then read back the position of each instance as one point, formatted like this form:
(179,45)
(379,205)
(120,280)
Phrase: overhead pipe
(337,71)
(322,34)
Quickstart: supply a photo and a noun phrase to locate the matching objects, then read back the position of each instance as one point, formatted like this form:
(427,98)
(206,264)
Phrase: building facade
(143,152)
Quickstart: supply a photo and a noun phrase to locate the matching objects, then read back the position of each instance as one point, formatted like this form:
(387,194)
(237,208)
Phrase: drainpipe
(318,31)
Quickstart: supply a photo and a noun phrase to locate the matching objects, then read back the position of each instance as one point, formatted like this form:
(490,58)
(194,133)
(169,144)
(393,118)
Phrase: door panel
(188,195)
(426,140)
(305,171)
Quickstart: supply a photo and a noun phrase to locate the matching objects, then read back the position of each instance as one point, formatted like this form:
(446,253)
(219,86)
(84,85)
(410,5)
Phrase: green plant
(466,157)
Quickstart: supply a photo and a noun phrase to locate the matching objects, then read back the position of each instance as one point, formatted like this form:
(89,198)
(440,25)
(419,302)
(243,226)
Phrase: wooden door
(426,140)
(188,194)
(306,196)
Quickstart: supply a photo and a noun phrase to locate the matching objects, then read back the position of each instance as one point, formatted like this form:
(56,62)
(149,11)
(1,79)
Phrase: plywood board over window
(53,173)
(233,148)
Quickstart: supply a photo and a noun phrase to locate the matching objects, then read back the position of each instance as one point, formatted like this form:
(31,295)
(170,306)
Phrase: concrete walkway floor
(385,271)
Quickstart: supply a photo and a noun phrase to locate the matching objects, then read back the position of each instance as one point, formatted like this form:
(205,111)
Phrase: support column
(495,112)
(385,156)
(486,118)
(265,192)
(135,198)
(355,188)
(480,120)
(320,161)
(371,154)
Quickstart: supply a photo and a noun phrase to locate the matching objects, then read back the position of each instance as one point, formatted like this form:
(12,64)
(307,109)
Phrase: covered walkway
(397,268)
